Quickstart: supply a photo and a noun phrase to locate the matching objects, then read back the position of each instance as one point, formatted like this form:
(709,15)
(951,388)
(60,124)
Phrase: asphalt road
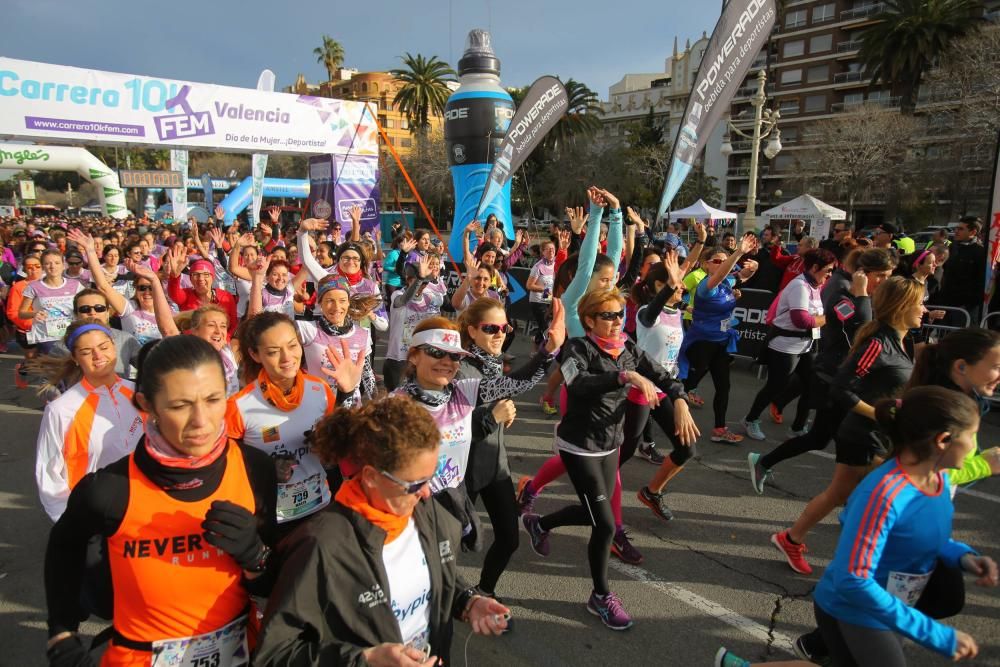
(709,578)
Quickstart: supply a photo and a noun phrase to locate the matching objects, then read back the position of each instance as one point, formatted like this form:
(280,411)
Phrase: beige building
(666,93)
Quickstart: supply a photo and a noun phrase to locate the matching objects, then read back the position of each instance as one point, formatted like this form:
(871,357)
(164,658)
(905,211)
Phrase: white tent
(806,207)
(701,211)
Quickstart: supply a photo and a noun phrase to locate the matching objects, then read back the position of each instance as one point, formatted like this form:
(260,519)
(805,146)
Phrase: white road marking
(781,641)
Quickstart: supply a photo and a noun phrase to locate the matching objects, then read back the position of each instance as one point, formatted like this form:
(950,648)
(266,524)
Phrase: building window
(878,95)
(406,142)
(794,48)
(825,12)
(815,103)
(854,99)
(791,76)
(389,123)
(790,134)
(820,43)
(374,89)
(789,107)
(818,74)
(783,162)
(404,124)
(392,140)
(795,19)
(364,87)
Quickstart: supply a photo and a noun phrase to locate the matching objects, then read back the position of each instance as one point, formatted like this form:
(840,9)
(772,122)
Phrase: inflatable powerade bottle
(475,121)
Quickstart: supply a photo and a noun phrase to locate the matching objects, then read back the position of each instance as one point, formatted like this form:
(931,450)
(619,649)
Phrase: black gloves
(69,652)
(234,530)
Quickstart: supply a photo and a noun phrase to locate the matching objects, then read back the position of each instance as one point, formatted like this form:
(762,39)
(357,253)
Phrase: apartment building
(666,93)
(814,74)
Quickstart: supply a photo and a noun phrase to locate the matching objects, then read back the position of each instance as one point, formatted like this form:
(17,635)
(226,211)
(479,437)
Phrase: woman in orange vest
(92,424)
(279,403)
(373,579)
(187,518)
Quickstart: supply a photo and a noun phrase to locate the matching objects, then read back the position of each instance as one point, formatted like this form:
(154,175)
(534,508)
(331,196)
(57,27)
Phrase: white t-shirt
(140,324)
(409,586)
(403,318)
(545,274)
(799,294)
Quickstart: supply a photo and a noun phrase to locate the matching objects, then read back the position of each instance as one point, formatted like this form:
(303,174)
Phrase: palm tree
(424,90)
(910,37)
(330,55)
(581,120)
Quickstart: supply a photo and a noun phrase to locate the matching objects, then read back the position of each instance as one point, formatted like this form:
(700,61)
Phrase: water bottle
(475,122)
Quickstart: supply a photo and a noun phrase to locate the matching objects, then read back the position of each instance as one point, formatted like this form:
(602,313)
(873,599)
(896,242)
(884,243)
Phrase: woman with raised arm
(48,302)
(418,301)
(476,285)
(188,517)
(201,293)
(242,255)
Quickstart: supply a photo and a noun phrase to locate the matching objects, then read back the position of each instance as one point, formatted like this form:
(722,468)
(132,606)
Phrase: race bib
(298,498)
(54,328)
(724,326)
(569,370)
(907,587)
(226,647)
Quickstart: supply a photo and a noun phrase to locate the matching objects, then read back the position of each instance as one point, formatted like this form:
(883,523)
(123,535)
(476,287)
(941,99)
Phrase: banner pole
(413,189)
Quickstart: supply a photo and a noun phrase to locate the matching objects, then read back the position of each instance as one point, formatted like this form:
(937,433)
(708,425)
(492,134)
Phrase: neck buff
(278,398)
(548,262)
(428,397)
(351,496)
(352,278)
(275,292)
(165,454)
(331,329)
(613,346)
(491,365)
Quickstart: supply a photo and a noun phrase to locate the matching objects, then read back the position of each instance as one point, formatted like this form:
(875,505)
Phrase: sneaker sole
(777,545)
(652,507)
(616,628)
(724,441)
(753,475)
(800,652)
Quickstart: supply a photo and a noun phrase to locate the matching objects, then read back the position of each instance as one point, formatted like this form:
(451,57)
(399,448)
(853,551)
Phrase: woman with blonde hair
(878,366)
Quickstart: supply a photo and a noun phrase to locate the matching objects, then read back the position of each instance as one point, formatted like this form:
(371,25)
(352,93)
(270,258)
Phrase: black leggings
(704,356)
(500,503)
(540,313)
(593,477)
(828,418)
(780,368)
(943,597)
(392,373)
(637,420)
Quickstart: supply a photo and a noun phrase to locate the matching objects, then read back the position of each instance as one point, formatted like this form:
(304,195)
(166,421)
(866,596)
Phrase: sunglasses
(75,263)
(350,258)
(610,315)
(409,488)
(144,288)
(87,310)
(716,261)
(435,353)
(493,329)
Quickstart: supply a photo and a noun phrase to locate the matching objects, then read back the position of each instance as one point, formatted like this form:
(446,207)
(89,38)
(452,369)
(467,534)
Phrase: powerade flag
(993,247)
(206,186)
(544,104)
(258,163)
(742,30)
(179,196)
(475,123)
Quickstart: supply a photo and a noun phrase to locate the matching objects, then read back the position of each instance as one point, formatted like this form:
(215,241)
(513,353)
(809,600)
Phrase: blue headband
(71,341)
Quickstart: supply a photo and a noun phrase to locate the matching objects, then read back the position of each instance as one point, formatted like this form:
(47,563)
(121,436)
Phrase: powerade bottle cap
(479,57)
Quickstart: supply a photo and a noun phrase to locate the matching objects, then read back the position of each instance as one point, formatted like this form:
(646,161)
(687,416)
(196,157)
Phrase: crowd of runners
(235,479)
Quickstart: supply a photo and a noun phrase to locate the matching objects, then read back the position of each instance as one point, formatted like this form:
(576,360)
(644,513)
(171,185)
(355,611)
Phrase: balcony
(848,46)
(862,11)
(849,77)
(887,103)
(744,171)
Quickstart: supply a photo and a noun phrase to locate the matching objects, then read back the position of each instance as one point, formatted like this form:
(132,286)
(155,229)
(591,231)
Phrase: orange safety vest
(168,581)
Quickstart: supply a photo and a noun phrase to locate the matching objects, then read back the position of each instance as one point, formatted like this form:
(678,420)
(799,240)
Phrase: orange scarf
(353,497)
(278,398)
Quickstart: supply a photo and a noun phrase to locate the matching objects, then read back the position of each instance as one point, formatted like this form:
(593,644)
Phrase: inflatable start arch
(67,158)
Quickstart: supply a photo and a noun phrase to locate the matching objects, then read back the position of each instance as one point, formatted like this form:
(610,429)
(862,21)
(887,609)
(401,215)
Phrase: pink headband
(920,258)
(203,265)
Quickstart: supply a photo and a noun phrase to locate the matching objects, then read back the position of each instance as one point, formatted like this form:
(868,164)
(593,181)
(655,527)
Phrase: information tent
(816,213)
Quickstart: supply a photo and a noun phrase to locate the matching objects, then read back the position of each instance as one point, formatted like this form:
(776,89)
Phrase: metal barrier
(989,316)
(933,328)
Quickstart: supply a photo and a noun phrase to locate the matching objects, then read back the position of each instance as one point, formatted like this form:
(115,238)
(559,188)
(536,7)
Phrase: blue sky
(230,42)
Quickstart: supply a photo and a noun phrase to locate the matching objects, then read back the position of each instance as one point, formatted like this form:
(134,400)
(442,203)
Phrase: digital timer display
(134,178)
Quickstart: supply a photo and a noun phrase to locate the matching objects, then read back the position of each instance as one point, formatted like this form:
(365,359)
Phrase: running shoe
(810,646)
(526,496)
(753,429)
(647,450)
(725,435)
(794,553)
(758,474)
(623,548)
(694,400)
(548,408)
(610,610)
(725,658)
(20,376)
(798,433)
(539,537)
(655,502)
(776,415)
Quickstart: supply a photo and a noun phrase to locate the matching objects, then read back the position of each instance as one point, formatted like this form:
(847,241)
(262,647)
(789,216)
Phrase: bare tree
(968,82)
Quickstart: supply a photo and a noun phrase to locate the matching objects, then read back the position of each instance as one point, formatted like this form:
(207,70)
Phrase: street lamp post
(765,124)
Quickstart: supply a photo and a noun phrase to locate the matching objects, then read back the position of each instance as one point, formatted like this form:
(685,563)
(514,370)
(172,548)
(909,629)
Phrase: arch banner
(43,102)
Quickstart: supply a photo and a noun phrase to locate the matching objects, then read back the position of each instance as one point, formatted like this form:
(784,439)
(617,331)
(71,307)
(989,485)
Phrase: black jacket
(595,411)
(836,335)
(331,600)
(964,275)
